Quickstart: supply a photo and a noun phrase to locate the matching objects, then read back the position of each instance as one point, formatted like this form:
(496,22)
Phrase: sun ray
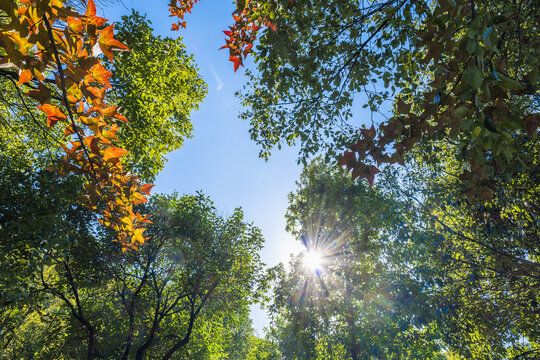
(313,261)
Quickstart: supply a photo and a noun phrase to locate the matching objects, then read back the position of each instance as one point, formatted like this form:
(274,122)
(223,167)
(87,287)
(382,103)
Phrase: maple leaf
(91,15)
(347,159)
(237,62)
(137,198)
(113,153)
(110,111)
(403,107)
(369,133)
(41,94)
(368,172)
(531,123)
(90,9)
(107,43)
(138,237)
(54,114)
(25,76)
(146,188)
(101,74)
(75,24)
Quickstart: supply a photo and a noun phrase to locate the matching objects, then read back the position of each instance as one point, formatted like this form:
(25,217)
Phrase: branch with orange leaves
(67,53)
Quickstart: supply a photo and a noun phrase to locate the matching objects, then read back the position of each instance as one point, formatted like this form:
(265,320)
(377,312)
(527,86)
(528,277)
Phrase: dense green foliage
(459,83)
(157,87)
(368,298)
(486,254)
(409,262)
(465,72)
(68,292)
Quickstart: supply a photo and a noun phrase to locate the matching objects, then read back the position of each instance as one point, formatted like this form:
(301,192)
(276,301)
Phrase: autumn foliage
(249,18)
(55,51)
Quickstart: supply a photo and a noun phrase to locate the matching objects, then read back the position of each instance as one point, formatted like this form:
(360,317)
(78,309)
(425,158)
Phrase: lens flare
(313,261)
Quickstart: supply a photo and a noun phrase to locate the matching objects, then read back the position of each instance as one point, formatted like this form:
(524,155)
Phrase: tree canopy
(437,258)
(459,71)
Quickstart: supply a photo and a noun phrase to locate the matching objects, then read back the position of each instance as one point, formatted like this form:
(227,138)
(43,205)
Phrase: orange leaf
(146,188)
(138,198)
(110,111)
(54,114)
(75,24)
(90,9)
(101,74)
(113,153)
(237,62)
(107,43)
(110,134)
(138,237)
(25,76)
(69,130)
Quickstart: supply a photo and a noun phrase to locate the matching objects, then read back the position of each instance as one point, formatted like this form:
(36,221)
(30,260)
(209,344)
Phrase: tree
(157,86)
(39,52)
(486,255)
(157,128)
(462,71)
(87,299)
(410,261)
(365,298)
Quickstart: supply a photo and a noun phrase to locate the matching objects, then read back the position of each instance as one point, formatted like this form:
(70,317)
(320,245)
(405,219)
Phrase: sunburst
(313,261)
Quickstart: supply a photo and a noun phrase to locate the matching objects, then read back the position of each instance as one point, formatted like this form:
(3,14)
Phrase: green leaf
(509,83)
(476,132)
(473,76)
(461,111)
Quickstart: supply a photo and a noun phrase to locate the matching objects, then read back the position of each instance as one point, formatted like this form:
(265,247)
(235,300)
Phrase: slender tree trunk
(155,323)
(91,344)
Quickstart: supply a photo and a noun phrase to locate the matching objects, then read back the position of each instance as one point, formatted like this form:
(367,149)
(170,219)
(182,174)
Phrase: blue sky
(221,159)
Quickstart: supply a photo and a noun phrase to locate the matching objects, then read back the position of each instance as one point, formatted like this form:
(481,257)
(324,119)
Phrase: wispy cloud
(218,79)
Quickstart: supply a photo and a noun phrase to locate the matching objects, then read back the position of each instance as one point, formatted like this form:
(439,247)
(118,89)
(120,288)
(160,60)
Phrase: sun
(313,261)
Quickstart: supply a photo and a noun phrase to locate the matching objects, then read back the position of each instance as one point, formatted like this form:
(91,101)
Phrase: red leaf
(237,62)
(403,107)
(146,188)
(347,159)
(370,174)
(54,114)
(175,27)
(41,94)
(368,133)
(531,123)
